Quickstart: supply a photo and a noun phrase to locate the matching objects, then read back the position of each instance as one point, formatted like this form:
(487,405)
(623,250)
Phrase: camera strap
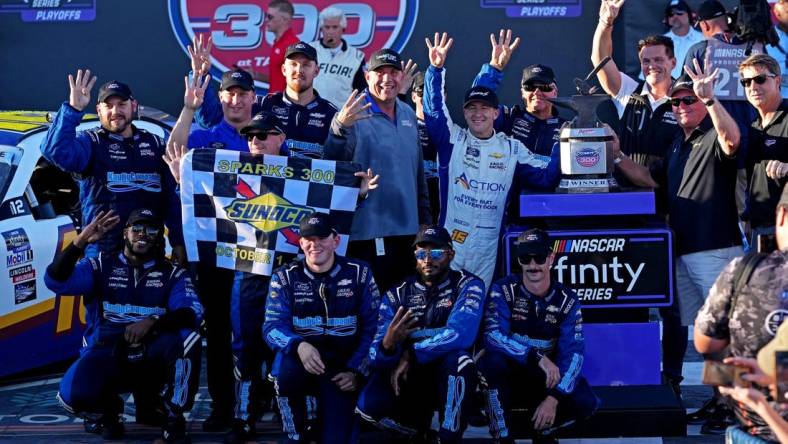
(742,275)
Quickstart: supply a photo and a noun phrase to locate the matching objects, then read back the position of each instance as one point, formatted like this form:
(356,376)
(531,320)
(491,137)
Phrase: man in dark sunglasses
(699,176)
(420,356)
(679,18)
(143,317)
(533,347)
(265,135)
(767,150)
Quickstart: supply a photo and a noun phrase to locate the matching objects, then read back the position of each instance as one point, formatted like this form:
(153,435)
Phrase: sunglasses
(148,230)
(435,255)
(687,100)
(544,88)
(540,259)
(759,79)
(261,136)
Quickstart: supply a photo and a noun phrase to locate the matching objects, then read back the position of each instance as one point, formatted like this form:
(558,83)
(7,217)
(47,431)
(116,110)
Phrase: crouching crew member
(533,355)
(420,356)
(320,320)
(142,318)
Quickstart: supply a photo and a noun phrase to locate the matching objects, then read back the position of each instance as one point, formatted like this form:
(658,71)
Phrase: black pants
(214,286)
(392,267)
(674,342)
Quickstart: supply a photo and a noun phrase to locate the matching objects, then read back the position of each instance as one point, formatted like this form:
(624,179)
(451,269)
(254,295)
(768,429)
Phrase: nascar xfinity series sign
(239,30)
(616,268)
(242,211)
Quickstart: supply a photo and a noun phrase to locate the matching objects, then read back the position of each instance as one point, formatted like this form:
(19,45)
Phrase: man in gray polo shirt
(377,130)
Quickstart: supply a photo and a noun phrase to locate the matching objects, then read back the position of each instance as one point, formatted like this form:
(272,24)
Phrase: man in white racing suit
(476,167)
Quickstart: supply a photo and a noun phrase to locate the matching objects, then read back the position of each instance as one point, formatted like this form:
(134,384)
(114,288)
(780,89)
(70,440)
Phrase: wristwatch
(709,102)
(619,157)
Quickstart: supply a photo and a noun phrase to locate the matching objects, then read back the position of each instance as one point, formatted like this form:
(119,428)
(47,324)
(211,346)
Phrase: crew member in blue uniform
(320,320)
(533,347)
(118,166)
(305,115)
(142,319)
(420,356)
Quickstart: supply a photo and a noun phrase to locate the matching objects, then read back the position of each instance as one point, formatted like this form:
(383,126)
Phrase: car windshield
(7,161)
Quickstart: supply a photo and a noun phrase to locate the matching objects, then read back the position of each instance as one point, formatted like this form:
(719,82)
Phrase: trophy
(586,144)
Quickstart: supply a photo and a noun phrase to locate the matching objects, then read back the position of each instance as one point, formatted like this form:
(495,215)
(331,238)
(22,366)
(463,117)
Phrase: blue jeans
(735,435)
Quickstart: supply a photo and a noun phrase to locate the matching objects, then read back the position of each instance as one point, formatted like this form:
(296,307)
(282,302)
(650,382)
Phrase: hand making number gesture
(502,49)
(79,96)
(353,110)
(438,49)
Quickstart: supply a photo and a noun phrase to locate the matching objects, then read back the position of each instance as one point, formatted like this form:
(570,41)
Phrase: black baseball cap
(302,48)
(263,122)
(316,224)
(538,74)
(145,215)
(239,78)
(533,242)
(710,9)
(434,235)
(385,57)
(480,94)
(114,88)
(680,5)
(683,82)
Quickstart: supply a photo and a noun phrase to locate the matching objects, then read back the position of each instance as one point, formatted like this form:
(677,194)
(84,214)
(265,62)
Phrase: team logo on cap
(113,86)
(587,157)
(536,69)
(146,213)
(532,237)
(313,221)
(239,37)
(479,93)
(430,231)
(236,75)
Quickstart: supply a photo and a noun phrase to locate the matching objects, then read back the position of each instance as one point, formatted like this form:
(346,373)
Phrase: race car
(39,216)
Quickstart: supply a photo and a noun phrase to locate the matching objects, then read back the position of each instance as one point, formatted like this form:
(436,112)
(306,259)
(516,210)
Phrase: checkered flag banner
(241,211)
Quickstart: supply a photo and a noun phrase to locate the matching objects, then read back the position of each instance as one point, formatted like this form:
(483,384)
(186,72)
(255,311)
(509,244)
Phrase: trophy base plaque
(589,184)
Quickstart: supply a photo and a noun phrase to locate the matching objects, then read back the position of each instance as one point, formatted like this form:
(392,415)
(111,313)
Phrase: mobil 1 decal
(615,268)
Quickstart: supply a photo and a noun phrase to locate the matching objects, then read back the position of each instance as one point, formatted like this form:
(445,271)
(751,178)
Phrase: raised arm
(62,145)
(192,99)
(491,74)
(64,275)
(728,134)
(602,46)
(341,141)
(436,116)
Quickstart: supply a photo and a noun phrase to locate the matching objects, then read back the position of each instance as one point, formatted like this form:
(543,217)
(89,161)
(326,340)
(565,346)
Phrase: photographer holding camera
(745,308)
(767,371)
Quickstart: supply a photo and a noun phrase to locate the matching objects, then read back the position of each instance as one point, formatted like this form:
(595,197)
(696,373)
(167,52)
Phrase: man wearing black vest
(647,125)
